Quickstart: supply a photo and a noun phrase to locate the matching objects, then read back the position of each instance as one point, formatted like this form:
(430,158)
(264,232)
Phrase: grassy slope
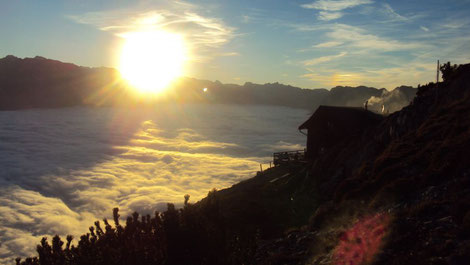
(271,202)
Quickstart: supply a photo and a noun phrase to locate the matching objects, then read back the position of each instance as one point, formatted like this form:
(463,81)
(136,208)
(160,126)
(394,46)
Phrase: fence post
(261,167)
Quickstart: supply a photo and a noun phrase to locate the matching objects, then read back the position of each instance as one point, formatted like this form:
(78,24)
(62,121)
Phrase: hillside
(399,193)
(43,83)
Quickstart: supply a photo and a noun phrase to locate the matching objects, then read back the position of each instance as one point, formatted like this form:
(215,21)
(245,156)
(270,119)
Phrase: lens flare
(359,244)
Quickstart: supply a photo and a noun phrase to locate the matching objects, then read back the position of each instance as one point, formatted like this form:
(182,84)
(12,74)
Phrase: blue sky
(311,44)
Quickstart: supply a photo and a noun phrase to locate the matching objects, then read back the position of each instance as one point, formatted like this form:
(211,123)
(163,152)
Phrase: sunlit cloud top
(307,43)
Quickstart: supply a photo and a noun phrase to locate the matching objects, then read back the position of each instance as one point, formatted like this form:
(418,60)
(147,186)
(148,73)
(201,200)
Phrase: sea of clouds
(62,169)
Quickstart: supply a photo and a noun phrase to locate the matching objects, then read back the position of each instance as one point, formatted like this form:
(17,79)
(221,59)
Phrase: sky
(310,44)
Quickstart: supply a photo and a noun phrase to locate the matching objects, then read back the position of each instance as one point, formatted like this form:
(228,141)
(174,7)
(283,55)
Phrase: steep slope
(408,179)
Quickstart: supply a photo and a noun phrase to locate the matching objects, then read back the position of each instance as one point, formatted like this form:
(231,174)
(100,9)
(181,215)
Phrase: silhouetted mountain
(351,96)
(44,83)
(393,100)
(191,90)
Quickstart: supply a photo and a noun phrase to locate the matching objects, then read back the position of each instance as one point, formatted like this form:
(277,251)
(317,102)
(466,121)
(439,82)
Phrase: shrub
(191,235)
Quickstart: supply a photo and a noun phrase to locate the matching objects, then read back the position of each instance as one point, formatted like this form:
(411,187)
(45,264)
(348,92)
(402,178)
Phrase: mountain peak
(9,58)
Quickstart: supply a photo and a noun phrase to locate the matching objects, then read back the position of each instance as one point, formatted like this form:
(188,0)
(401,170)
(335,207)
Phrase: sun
(150,60)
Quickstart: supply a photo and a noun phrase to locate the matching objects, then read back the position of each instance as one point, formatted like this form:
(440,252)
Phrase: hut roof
(347,117)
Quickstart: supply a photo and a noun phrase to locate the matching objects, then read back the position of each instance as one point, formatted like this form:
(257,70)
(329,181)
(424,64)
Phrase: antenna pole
(437,81)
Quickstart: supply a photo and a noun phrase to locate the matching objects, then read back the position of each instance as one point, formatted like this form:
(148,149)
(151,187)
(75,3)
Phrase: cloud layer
(331,9)
(62,169)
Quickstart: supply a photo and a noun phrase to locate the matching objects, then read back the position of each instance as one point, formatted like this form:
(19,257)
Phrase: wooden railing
(287,157)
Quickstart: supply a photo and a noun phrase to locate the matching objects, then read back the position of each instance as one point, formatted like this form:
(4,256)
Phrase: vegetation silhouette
(191,235)
(448,71)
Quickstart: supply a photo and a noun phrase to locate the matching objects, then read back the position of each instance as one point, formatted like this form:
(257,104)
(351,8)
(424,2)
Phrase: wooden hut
(328,125)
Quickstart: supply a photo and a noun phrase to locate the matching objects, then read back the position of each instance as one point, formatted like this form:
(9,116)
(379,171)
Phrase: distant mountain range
(44,83)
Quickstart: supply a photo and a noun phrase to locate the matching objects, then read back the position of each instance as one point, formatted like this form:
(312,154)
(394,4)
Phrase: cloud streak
(348,46)
(335,5)
(328,44)
(381,77)
(202,32)
(327,16)
(424,28)
(323,59)
(331,9)
(360,38)
(393,14)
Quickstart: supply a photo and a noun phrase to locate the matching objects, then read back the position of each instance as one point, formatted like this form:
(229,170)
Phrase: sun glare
(150,60)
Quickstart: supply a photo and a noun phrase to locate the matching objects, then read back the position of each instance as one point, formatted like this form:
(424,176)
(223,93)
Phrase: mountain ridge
(45,83)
